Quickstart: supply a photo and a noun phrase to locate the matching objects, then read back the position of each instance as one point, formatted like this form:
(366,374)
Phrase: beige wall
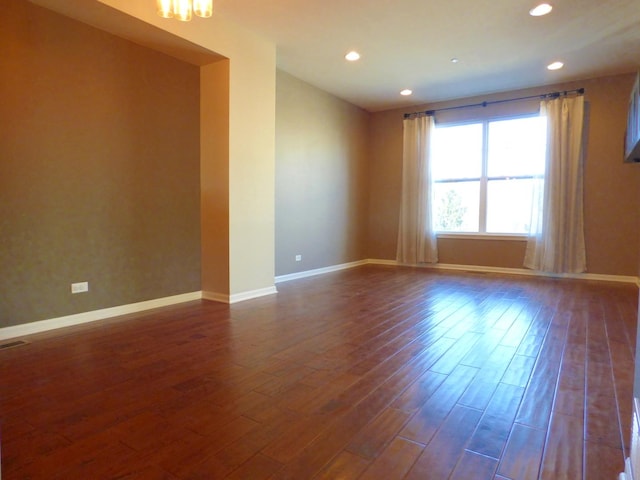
(214,176)
(321,178)
(99,169)
(230,147)
(251,143)
(611,187)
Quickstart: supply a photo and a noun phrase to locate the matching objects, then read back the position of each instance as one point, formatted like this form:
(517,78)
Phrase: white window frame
(482,233)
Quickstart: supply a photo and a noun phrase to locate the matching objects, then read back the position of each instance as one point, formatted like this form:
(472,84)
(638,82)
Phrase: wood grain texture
(376,372)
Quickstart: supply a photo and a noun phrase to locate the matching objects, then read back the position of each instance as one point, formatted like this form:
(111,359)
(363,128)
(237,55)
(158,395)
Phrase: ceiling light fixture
(555,66)
(540,10)
(454,60)
(184,9)
(352,56)
(406,92)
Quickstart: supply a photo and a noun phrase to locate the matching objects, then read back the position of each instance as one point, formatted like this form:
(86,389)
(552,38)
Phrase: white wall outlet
(298,258)
(79,287)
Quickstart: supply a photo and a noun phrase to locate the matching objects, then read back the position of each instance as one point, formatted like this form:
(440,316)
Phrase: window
(484,174)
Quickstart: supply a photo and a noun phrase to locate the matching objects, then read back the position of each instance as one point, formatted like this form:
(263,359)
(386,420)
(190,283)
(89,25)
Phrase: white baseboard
(632,464)
(238,297)
(102,314)
(319,271)
(262,292)
(215,297)
(627,474)
(462,268)
(515,271)
(94,315)
(379,261)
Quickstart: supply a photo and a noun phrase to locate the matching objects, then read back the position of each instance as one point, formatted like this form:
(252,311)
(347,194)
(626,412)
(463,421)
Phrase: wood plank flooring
(372,373)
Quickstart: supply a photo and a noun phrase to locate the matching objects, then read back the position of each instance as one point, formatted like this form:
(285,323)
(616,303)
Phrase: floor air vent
(15,343)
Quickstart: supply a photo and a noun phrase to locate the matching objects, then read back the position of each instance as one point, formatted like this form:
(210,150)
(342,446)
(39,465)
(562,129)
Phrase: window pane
(456,206)
(457,152)
(517,147)
(509,205)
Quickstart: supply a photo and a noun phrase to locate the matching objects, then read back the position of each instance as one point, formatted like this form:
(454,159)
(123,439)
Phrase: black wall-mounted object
(632,136)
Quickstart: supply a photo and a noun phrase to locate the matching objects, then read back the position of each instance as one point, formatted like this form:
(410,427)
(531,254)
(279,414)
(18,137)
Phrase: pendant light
(183,10)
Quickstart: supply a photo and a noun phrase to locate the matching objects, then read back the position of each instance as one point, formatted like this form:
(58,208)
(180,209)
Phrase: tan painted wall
(321,178)
(251,161)
(612,188)
(214,175)
(612,216)
(99,169)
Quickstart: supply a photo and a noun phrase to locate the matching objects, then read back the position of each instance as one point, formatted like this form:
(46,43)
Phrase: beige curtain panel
(556,241)
(416,239)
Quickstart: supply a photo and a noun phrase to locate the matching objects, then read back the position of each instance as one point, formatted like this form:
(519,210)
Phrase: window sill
(484,236)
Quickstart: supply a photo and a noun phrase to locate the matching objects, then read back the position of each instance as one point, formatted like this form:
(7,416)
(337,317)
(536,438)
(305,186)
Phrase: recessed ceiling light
(352,56)
(540,10)
(454,60)
(406,92)
(555,66)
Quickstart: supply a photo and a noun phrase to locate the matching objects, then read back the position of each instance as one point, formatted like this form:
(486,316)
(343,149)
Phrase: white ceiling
(409,44)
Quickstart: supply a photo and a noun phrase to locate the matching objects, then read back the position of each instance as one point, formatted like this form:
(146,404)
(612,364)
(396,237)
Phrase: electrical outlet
(79,287)
(298,258)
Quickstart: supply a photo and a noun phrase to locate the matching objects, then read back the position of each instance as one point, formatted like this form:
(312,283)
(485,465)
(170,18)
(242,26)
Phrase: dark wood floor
(372,373)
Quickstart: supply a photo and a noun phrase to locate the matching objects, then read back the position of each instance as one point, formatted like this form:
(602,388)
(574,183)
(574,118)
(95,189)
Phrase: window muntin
(484,174)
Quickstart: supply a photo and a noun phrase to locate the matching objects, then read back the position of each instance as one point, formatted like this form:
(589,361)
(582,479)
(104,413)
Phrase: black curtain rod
(577,91)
